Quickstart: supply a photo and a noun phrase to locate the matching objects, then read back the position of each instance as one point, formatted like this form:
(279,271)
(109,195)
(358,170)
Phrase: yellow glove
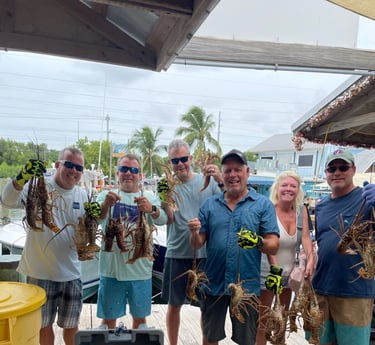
(163,189)
(248,239)
(33,168)
(273,280)
(93,209)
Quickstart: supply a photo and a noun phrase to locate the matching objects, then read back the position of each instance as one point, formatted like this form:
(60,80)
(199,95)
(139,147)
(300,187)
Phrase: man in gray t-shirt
(180,254)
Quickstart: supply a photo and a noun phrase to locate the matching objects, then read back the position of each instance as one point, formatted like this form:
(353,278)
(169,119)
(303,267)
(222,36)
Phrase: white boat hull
(13,236)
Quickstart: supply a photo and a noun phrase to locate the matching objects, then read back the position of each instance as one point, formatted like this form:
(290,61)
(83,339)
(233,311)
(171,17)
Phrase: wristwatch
(260,242)
(154,210)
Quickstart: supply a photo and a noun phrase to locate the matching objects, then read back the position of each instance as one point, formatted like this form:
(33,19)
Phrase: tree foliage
(251,156)
(144,143)
(198,132)
(14,155)
(96,153)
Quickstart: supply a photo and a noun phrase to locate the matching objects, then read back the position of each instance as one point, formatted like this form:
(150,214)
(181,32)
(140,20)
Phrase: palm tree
(198,133)
(144,142)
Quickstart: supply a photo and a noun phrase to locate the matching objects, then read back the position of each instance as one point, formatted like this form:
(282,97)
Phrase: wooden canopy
(364,7)
(146,34)
(152,34)
(346,119)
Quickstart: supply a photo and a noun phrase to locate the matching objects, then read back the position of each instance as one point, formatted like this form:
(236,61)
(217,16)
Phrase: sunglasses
(71,165)
(125,169)
(342,168)
(180,159)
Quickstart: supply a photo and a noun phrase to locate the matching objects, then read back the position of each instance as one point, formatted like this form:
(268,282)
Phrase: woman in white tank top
(287,196)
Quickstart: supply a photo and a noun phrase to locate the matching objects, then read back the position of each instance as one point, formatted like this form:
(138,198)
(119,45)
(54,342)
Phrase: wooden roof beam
(278,54)
(98,23)
(354,122)
(180,7)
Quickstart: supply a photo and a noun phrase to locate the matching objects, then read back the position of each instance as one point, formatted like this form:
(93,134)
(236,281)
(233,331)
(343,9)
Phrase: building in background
(277,154)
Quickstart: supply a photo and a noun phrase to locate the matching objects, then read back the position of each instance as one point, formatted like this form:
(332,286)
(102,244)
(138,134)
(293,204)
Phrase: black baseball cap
(236,154)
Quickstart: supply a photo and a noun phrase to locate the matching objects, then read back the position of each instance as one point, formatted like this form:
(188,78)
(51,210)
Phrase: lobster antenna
(239,264)
(87,183)
(141,183)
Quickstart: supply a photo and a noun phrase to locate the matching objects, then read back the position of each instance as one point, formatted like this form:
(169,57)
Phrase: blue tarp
(264,180)
(261,184)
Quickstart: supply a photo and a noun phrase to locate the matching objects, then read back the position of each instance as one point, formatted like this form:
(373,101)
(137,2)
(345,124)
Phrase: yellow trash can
(20,314)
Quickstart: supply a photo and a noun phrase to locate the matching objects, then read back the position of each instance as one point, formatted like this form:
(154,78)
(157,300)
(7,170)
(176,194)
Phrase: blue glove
(369,193)
(273,280)
(33,168)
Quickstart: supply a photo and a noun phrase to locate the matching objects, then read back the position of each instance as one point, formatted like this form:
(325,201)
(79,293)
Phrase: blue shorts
(63,299)
(175,281)
(113,295)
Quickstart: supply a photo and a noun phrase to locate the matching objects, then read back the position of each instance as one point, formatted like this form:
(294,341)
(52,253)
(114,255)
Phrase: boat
(12,240)
(160,248)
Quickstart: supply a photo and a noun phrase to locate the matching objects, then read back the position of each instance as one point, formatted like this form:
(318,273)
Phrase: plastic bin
(131,336)
(20,314)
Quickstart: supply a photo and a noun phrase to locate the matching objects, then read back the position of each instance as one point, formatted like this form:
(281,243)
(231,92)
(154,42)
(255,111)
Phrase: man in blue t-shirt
(345,298)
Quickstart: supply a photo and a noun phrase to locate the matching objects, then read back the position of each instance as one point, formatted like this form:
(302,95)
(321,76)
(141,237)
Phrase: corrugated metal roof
(365,161)
(280,143)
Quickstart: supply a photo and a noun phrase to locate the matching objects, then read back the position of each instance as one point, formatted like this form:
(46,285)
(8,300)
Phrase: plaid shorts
(63,299)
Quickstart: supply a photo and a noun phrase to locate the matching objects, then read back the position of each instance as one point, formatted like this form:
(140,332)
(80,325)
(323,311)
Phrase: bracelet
(221,185)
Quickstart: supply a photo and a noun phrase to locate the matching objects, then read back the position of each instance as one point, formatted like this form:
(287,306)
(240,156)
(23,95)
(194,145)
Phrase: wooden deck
(190,332)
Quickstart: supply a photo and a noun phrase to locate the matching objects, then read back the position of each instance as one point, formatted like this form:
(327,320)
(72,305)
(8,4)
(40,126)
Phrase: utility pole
(110,150)
(218,128)
(108,131)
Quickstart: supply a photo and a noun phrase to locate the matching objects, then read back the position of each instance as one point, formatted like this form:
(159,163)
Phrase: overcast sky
(54,100)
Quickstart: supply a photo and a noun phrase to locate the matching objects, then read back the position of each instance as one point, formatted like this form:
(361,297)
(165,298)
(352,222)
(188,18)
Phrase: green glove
(273,280)
(33,168)
(93,209)
(248,239)
(163,189)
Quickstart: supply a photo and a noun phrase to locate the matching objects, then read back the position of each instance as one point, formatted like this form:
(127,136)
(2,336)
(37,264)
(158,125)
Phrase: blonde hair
(275,186)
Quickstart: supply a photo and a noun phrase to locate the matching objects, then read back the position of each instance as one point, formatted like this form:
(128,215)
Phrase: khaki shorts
(346,319)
